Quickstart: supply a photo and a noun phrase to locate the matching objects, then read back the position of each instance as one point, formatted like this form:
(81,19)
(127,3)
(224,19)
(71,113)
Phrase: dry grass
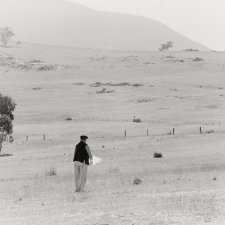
(179,188)
(51,172)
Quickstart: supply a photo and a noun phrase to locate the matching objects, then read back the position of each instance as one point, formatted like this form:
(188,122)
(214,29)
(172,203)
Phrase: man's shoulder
(81,143)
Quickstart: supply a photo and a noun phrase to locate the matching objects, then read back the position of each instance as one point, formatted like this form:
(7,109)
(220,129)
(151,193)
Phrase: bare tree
(6,34)
(7,106)
(166,46)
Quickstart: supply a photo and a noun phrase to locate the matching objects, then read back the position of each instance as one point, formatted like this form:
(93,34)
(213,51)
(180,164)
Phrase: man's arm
(89,152)
(74,155)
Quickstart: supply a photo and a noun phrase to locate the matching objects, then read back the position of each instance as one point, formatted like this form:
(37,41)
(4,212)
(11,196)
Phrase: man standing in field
(81,159)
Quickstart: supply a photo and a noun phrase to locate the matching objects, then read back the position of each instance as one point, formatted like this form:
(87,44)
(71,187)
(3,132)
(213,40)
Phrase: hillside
(101,91)
(57,22)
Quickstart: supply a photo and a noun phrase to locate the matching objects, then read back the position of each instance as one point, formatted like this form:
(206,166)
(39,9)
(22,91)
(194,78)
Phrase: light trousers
(80,174)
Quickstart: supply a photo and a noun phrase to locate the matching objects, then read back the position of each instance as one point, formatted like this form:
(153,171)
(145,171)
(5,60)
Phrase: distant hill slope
(58,22)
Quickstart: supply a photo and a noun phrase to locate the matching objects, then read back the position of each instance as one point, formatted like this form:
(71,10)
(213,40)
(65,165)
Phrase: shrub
(137,181)
(136,120)
(158,155)
(68,119)
(210,132)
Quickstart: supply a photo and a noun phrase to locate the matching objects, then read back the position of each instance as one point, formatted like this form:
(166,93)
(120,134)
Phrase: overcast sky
(200,20)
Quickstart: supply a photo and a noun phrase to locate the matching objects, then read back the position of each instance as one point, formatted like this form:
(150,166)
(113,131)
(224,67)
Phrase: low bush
(210,132)
(158,155)
(136,120)
(137,181)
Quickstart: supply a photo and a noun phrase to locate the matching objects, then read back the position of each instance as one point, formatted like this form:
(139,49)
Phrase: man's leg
(83,176)
(77,175)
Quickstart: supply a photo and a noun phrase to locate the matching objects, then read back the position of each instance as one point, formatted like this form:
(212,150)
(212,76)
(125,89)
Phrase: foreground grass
(176,189)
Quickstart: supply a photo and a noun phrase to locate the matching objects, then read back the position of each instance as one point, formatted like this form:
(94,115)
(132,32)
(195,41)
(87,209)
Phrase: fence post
(147,132)
(200,130)
(125,133)
(173,131)
(27,138)
(44,137)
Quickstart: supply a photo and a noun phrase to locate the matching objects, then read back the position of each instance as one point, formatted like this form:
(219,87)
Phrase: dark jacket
(81,154)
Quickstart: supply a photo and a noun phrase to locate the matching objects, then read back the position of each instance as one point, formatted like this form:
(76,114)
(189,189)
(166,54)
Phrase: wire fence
(132,132)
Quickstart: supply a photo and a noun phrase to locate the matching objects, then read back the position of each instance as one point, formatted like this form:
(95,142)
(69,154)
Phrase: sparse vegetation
(162,190)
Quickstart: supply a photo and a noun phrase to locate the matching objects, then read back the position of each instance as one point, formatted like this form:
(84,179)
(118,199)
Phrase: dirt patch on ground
(122,84)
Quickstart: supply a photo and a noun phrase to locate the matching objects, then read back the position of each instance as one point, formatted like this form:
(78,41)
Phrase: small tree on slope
(166,46)
(7,106)
(5,35)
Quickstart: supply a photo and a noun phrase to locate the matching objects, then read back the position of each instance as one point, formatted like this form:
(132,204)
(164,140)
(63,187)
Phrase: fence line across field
(140,133)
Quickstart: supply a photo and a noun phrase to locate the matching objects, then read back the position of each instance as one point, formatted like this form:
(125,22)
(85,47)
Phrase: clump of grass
(5,155)
(137,181)
(78,83)
(136,120)
(198,59)
(51,172)
(144,100)
(191,50)
(104,91)
(210,132)
(113,170)
(37,88)
(137,85)
(158,155)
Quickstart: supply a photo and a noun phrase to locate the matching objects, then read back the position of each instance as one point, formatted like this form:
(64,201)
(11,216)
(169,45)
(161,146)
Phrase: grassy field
(102,92)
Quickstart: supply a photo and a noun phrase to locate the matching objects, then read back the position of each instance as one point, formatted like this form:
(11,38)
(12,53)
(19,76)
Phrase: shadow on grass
(5,155)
